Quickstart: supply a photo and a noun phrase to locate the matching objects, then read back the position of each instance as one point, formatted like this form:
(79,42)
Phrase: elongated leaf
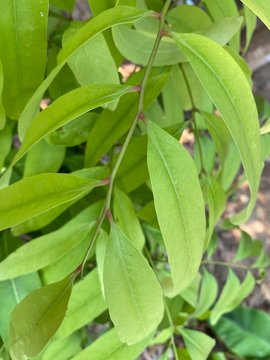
(208,293)
(261,8)
(251,22)
(179,205)
(111,17)
(35,320)
(223,79)
(23,47)
(86,303)
(36,194)
(68,107)
(199,345)
(2,110)
(132,292)
(245,331)
(109,347)
(5,143)
(126,218)
(43,251)
(63,349)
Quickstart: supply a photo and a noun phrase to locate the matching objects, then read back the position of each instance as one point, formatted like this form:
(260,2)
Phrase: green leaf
(12,292)
(44,250)
(207,295)
(219,11)
(63,4)
(101,245)
(37,194)
(66,108)
(109,347)
(199,345)
(36,319)
(23,48)
(111,126)
(265,129)
(2,110)
(86,303)
(261,8)
(5,143)
(87,69)
(43,158)
(63,349)
(225,83)
(127,220)
(179,205)
(245,332)
(247,247)
(132,292)
(232,295)
(111,17)
(251,22)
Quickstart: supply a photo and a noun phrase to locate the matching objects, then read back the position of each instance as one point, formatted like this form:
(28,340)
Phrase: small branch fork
(139,116)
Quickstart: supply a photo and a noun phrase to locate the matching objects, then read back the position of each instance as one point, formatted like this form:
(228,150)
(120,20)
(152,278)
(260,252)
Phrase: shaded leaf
(179,205)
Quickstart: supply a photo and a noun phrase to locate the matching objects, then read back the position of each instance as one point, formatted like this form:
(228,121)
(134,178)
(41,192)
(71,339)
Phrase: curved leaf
(199,345)
(261,8)
(111,17)
(35,320)
(225,83)
(66,108)
(179,205)
(132,292)
(36,194)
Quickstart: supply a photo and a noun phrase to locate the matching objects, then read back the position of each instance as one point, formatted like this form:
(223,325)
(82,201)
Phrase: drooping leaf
(85,304)
(109,347)
(245,331)
(221,77)
(179,205)
(36,319)
(261,8)
(43,251)
(199,345)
(37,194)
(132,292)
(67,108)
(126,218)
(23,48)
(111,17)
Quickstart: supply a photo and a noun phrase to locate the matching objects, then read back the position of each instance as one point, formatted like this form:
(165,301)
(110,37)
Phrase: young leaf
(35,320)
(86,303)
(111,17)
(109,347)
(43,251)
(132,292)
(225,83)
(67,108)
(23,47)
(35,195)
(261,8)
(179,205)
(199,345)
(126,218)
(245,332)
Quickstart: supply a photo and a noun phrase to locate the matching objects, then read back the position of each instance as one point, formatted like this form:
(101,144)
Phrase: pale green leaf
(44,250)
(2,110)
(126,218)
(266,128)
(225,83)
(179,205)
(23,48)
(85,304)
(35,320)
(101,245)
(111,17)
(63,349)
(261,8)
(251,22)
(199,345)
(132,291)
(207,295)
(67,108)
(109,347)
(37,194)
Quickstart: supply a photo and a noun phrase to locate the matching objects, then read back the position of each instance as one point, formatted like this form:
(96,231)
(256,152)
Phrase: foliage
(107,219)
